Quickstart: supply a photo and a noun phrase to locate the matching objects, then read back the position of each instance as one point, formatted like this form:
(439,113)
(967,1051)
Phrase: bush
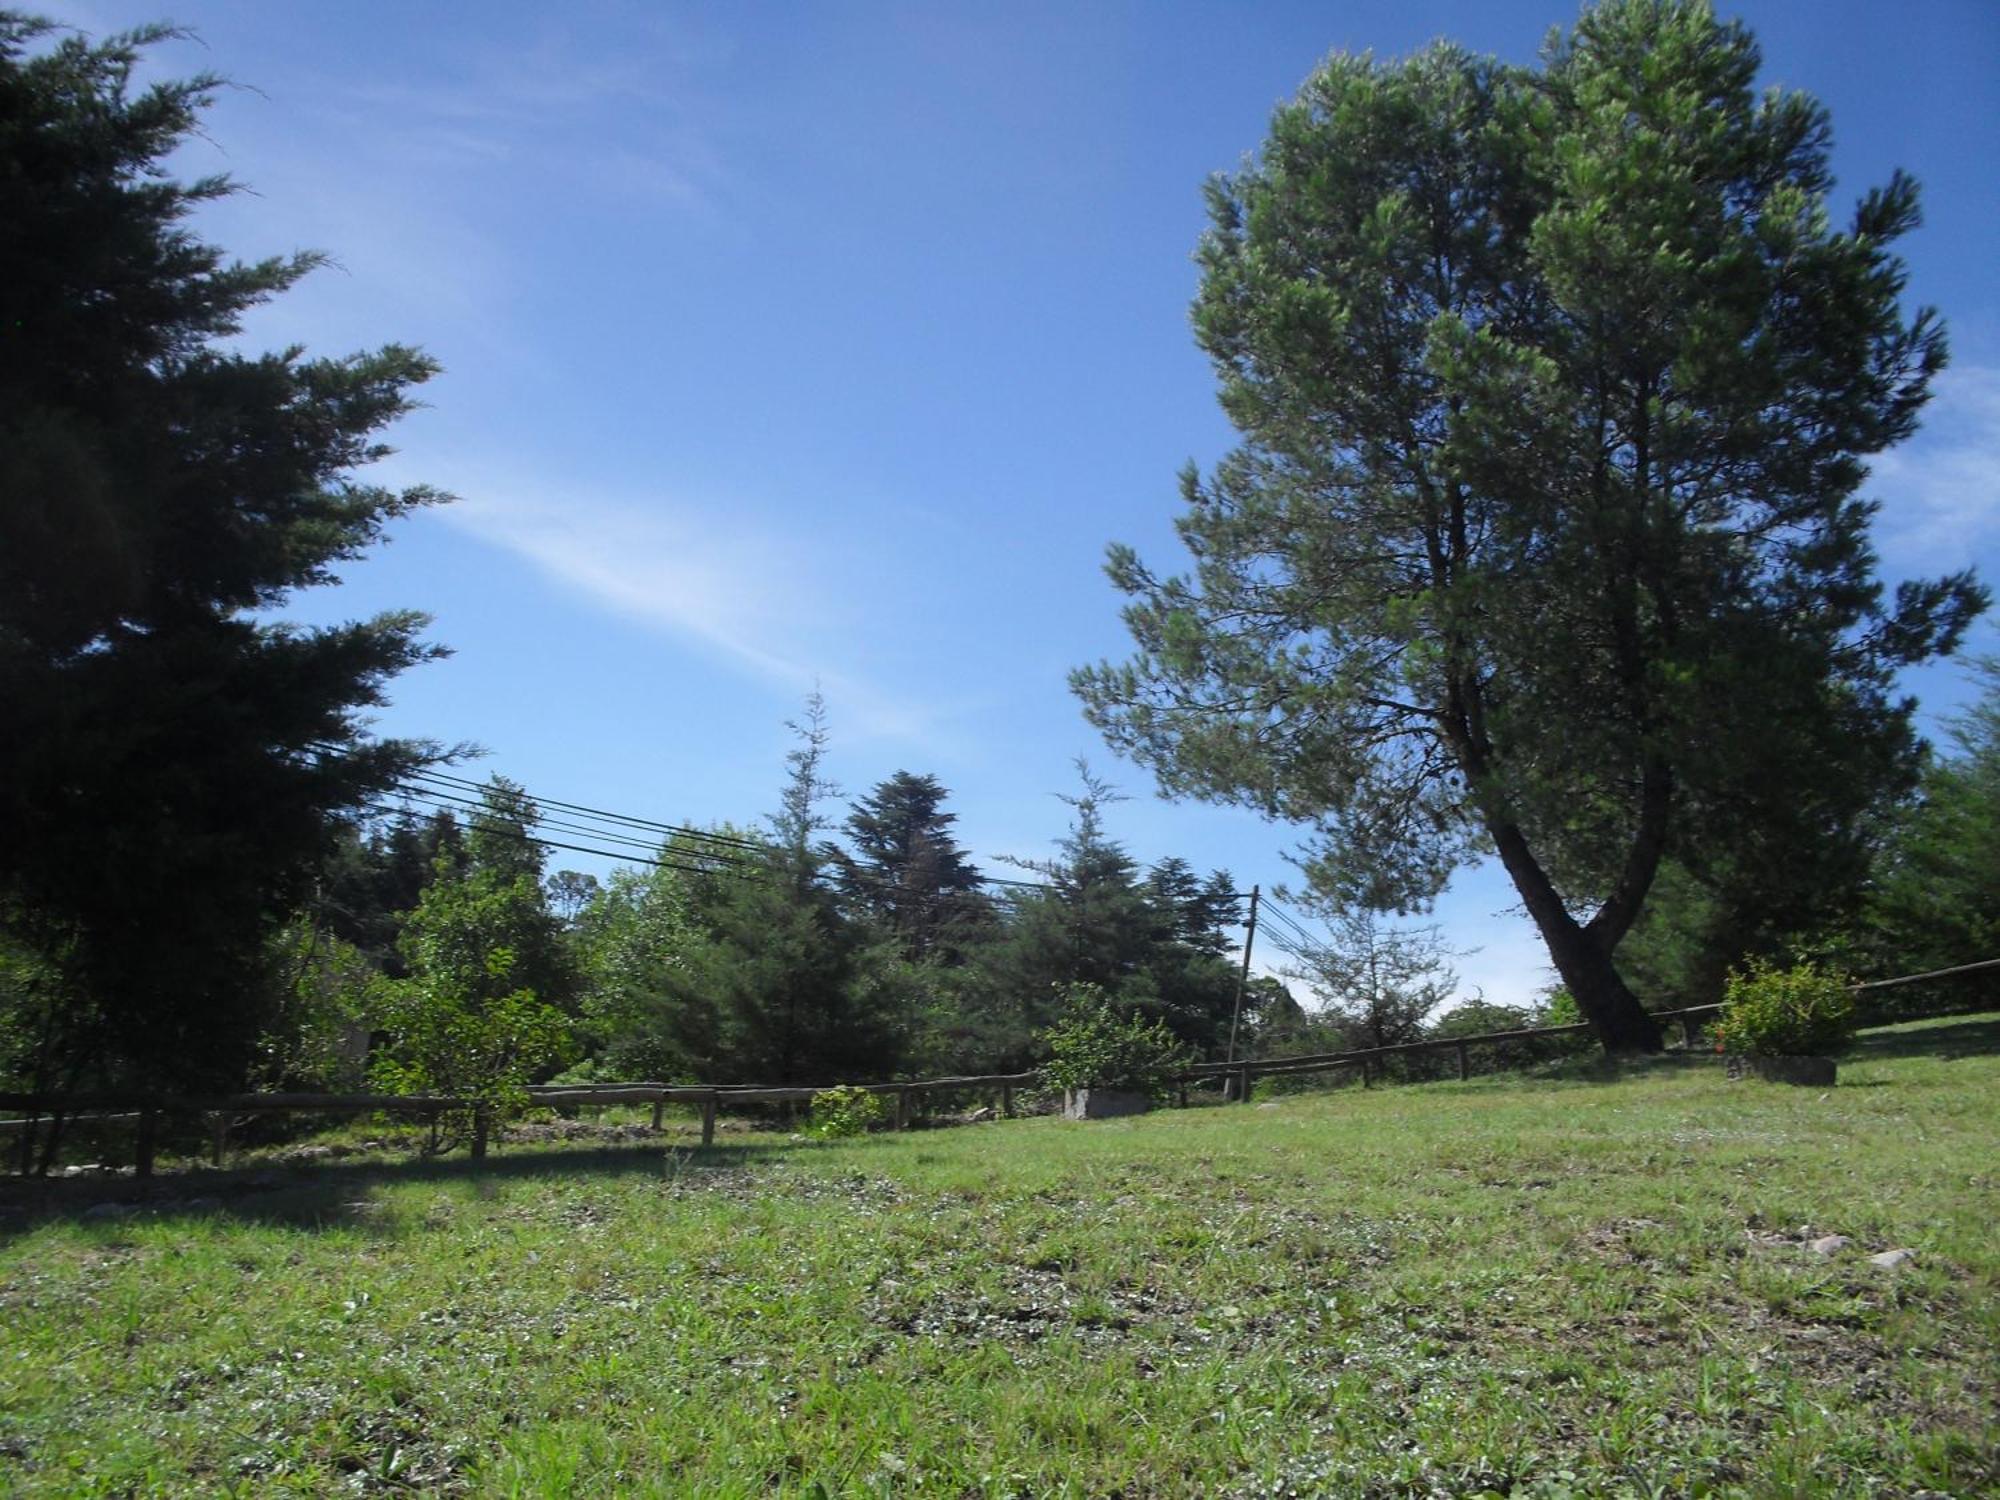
(847,1109)
(1092,1047)
(1803,1011)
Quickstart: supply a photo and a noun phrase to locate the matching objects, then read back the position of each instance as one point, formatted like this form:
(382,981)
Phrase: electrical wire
(604,826)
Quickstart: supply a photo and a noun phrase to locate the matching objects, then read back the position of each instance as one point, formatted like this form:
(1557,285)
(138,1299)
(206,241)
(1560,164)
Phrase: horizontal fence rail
(1313,1062)
(147,1109)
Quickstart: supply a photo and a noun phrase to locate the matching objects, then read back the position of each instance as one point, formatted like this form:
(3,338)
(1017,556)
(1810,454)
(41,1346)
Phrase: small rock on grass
(1828,1244)
(1888,1260)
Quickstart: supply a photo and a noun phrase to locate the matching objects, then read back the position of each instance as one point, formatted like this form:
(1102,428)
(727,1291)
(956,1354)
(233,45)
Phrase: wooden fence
(1235,1078)
(1238,1076)
(220,1111)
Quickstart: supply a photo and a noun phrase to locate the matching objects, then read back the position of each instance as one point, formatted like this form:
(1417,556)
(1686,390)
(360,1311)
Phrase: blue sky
(796,343)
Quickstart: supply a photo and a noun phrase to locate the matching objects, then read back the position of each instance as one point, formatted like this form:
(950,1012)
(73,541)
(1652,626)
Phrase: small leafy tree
(480,1014)
(1093,1046)
(455,1041)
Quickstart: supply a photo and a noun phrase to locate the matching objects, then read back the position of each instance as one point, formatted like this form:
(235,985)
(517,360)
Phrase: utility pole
(1243,974)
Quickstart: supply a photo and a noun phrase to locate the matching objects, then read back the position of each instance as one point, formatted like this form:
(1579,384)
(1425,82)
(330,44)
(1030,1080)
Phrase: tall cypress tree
(172,753)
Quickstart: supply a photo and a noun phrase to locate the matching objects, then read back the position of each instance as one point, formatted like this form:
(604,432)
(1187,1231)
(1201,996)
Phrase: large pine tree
(1545,537)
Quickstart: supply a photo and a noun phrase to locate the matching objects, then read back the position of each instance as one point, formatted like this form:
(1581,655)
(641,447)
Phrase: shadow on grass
(1973,1036)
(323,1195)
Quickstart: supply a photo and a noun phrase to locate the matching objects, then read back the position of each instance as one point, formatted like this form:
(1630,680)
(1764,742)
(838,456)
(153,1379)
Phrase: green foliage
(1381,982)
(843,1111)
(907,872)
(1559,1008)
(773,983)
(174,753)
(1801,1011)
(629,940)
(480,1047)
(1935,902)
(1093,1046)
(327,997)
(1477,1017)
(483,1009)
(760,974)
(1153,946)
(1545,537)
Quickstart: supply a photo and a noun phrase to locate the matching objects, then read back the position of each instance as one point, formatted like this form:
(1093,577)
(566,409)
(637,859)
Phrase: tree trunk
(1621,1022)
(1584,962)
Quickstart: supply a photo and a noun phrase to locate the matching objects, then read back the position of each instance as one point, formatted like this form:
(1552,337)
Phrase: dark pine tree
(906,871)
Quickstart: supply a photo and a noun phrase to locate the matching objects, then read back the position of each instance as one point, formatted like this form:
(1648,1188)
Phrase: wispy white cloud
(745,591)
(1941,490)
(638,125)
(416,180)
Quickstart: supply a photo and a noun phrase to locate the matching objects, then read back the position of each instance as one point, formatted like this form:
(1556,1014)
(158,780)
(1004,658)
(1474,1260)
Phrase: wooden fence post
(1367,1074)
(708,1121)
(1687,1033)
(482,1122)
(27,1152)
(1464,1064)
(903,1109)
(143,1153)
(1243,1084)
(659,1115)
(1007,1100)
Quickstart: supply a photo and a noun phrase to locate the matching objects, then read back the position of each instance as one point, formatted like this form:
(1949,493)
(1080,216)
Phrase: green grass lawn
(1551,1287)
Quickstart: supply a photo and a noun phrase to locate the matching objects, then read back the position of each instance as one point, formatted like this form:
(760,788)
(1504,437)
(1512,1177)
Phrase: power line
(428,782)
(1290,935)
(729,861)
(502,830)
(443,802)
(458,785)
(676,829)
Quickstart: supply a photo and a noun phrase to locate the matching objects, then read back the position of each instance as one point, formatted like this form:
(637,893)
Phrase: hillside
(1561,1286)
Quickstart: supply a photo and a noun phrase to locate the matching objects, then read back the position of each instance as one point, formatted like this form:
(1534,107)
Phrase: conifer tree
(174,754)
(906,870)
